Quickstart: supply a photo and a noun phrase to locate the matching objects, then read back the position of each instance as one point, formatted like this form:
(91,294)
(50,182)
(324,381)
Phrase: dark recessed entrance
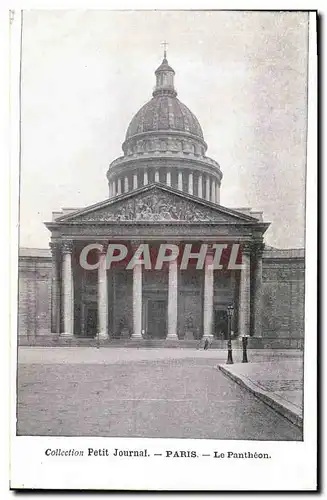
(157,318)
(91,322)
(220,329)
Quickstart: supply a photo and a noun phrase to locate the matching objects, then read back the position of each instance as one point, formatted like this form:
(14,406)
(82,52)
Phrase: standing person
(206,344)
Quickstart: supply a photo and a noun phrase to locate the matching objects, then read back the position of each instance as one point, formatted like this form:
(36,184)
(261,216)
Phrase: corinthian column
(119,186)
(102,296)
(213,191)
(172,300)
(145,178)
(55,288)
(168,178)
(137,301)
(244,293)
(180,180)
(217,193)
(208,188)
(208,297)
(200,186)
(68,288)
(258,248)
(190,183)
(135,181)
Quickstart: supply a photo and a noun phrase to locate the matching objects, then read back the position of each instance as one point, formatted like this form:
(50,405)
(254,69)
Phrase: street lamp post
(244,345)
(230,312)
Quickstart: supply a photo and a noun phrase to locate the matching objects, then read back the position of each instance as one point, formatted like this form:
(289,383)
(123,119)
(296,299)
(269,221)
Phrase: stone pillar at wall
(172,300)
(68,288)
(180,180)
(126,188)
(190,183)
(213,191)
(156,176)
(145,178)
(55,288)
(208,296)
(168,178)
(208,188)
(102,296)
(258,248)
(200,186)
(113,189)
(244,293)
(119,186)
(135,181)
(137,301)
(110,190)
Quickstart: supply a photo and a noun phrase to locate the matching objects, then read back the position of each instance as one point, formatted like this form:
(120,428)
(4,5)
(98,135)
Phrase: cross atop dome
(164,77)
(165,44)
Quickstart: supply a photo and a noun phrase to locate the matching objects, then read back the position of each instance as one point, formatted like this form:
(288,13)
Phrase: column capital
(55,247)
(253,247)
(210,253)
(105,245)
(136,243)
(67,246)
(258,247)
(174,242)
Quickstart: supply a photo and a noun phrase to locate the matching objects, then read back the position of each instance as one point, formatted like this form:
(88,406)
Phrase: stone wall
(34,289)
(282,300)
(283,297)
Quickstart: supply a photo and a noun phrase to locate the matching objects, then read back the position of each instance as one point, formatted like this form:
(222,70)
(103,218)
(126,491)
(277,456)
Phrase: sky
(86,73)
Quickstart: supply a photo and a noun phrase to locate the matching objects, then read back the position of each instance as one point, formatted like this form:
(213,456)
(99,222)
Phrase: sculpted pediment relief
(154,205)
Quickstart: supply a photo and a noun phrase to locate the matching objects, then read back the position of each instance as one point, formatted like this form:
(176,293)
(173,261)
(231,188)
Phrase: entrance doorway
(157,318)
(91,322)
(220,325)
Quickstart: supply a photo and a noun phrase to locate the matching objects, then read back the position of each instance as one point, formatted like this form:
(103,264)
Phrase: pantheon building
(163,190)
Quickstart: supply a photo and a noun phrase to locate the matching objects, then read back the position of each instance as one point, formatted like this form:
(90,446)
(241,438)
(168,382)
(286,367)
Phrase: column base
(172,336)
(208,336)
(103,336)
(66,334)
(136,336)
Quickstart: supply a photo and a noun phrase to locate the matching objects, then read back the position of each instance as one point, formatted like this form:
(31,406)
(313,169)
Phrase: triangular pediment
(156,203)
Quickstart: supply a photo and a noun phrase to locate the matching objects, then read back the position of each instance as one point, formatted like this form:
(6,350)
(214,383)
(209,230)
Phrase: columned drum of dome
(164,143)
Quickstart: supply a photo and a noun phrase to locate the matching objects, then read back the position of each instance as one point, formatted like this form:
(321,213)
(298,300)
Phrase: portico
(131,300)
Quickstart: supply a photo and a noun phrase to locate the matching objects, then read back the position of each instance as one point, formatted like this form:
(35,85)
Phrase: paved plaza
(168,393)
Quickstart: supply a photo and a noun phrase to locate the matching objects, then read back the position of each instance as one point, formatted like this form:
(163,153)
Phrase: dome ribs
(163,119)
(164,113)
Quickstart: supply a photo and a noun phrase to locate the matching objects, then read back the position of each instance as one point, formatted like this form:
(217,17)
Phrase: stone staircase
(253,343)
(133,343)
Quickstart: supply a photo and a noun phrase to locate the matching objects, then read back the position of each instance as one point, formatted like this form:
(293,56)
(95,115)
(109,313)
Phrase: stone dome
(164,113)
(164,143)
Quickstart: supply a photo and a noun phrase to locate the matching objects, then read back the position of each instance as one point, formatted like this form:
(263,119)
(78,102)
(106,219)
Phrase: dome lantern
(164,78)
